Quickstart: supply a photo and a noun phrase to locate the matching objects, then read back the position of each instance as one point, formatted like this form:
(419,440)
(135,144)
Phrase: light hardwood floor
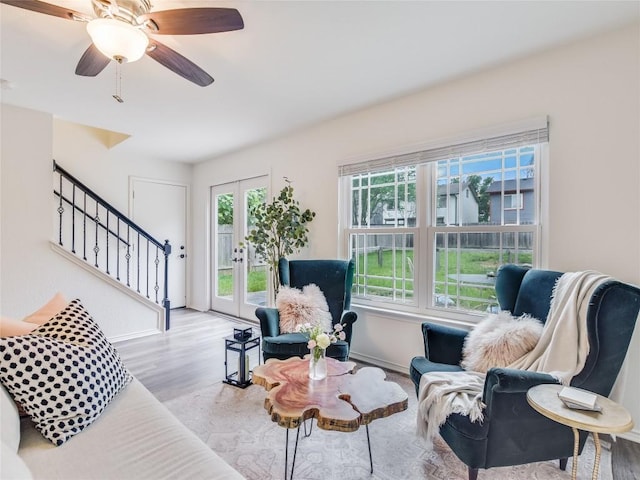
(188,357)
(191,356)
(625,460)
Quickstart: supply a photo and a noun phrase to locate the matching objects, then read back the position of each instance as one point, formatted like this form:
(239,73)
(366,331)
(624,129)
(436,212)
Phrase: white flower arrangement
(320,340)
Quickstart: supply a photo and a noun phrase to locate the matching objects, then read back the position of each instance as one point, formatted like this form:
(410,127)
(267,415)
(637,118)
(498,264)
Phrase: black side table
(241,377)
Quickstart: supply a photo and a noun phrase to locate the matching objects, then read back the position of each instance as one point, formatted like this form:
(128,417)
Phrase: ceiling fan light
(117,40)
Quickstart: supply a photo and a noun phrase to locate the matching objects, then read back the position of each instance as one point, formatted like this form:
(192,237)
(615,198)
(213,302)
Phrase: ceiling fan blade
(178,64)
(48,9)
(192,21)
(92,62)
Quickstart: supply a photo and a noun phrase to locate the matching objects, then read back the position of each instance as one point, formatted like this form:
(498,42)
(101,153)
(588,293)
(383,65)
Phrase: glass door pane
(224,245)
(256,270)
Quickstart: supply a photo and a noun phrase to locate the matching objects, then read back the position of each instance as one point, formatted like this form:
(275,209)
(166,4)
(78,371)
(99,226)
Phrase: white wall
(26,141)
(83,152)
(591,92)
(30,272)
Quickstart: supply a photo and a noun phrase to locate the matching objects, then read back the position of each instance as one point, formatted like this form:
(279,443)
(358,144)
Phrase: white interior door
(160,208)
(239,279)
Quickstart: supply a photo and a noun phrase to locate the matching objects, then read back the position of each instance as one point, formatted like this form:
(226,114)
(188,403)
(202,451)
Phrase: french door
(240,279)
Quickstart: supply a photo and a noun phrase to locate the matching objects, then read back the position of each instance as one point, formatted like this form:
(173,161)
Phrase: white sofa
(135,437)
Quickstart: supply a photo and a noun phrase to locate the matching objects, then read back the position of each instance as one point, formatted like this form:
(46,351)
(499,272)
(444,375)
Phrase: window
(428,230)
(383,219)
(512,201)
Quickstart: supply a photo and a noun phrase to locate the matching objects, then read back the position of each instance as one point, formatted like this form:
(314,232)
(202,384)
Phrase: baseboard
(253,323)
(131,336)
(378,362)
(632,436)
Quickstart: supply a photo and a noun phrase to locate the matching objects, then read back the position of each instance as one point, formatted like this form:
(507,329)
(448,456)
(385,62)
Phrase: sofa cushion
(63,374)
(10,327)
(331,276)
(48,310)
(499,340)
(297,307)
(135,438)
(295,344)
(10,421)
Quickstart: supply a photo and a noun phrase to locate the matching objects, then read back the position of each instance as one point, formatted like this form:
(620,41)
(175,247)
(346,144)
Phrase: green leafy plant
(279,229)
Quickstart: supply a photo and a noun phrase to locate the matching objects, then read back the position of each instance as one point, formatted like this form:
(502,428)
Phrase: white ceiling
(294,64)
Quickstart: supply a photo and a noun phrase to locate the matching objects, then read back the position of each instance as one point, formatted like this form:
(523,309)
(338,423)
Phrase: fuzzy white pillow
(499,340)
(297,307)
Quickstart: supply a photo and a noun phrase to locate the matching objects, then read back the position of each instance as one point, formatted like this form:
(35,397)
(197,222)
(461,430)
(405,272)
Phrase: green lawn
(473,292)
(257,281)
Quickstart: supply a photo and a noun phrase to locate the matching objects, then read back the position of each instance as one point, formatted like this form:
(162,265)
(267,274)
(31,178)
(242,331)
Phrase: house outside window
(429,236)
(512,201)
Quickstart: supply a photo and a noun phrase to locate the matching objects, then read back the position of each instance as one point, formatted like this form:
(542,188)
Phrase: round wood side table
(613,418)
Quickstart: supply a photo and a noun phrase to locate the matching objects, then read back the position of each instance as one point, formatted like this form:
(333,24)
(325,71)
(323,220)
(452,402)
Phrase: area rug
(234,423)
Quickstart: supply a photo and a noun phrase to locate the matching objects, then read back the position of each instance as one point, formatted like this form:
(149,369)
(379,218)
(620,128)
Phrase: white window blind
(524,133)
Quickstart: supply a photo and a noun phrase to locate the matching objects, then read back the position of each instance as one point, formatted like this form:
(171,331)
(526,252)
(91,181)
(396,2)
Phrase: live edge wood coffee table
(343,401)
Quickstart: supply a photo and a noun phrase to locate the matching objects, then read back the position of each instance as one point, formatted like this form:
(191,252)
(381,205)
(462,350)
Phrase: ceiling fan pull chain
(118,94)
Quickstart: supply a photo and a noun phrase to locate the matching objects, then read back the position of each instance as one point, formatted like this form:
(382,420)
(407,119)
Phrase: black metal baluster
(156,287)
(73,218)
(84,228)
(96,248)
(60,212)
(118,250)
(147,269)
(138,264)
(107,243)
(128,256)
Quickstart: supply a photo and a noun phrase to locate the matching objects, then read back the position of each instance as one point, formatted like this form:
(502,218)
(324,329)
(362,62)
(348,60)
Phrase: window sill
(463,321)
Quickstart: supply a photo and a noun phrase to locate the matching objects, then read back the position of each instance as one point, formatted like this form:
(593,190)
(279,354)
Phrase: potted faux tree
(280,229)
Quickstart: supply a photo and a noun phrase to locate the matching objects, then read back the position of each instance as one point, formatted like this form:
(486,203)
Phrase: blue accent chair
(334,278)
(512,432)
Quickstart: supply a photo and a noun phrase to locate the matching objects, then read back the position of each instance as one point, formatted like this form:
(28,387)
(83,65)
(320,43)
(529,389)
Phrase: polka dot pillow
(63,373)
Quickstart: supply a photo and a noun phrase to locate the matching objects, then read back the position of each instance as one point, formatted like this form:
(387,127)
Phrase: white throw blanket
(561,352)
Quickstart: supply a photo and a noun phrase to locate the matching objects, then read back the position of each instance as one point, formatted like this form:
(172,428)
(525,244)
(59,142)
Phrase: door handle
(237,258)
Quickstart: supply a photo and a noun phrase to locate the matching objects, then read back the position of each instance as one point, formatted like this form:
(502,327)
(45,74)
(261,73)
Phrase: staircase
(108,243)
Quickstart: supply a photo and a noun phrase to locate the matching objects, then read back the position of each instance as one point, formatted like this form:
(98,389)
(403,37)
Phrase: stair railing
(92,229)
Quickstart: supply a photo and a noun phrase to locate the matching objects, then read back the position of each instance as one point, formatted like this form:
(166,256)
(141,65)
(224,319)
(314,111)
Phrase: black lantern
(237,368)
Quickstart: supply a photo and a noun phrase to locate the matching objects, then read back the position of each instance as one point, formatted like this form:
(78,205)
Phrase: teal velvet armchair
(512,433)
(334,278)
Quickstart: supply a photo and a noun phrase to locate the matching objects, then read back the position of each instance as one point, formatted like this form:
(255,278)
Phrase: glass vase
(317,364)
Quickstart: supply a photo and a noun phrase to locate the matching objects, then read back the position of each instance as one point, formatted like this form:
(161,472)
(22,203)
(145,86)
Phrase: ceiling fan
(119,31)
